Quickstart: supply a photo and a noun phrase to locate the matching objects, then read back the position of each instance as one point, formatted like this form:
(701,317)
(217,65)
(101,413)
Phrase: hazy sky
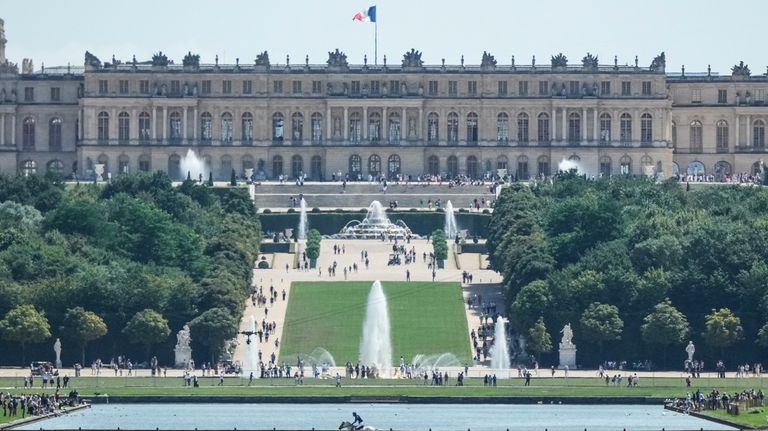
(694,33)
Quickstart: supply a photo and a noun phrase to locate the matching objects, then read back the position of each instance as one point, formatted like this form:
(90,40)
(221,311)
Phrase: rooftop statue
(160,59)
(589,61)
(191,60)
(337,59)
(559,60)
(488,61)
(262,59)
(412,58)
(91,60)
(740,69)
(659,63)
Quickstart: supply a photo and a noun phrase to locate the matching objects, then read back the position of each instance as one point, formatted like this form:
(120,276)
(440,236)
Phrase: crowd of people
(715,400)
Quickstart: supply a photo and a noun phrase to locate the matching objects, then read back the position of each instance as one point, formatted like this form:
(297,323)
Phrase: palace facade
(389,119)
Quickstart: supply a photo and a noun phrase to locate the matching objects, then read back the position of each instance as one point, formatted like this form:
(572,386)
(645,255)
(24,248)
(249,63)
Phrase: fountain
(194,166)
(450,221)
(428,363)
(303,222)
(499,350)
(568,165)
(374,225)
(376,345)
(251,359)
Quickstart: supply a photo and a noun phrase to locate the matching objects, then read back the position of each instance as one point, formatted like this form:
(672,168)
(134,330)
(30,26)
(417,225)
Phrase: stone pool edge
(346,399)
(30,419)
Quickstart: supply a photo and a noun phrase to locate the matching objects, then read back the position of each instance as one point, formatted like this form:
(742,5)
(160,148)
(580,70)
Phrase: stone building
(405,118)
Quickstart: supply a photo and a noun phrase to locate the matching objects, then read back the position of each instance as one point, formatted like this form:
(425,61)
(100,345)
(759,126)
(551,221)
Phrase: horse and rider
(356,424)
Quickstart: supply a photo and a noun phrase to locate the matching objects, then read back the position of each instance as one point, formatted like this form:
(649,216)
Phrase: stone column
(133,130)
(329,131)
(184,124)
(420,127)
(365,122)
(403,125)
(2,130)
(565,125)
(165,123)
(615,126)
(13,129)
(344,126)
(114,133)
(635,126)
(595,125)
(737,143)
(80,125)
(153,126)
(583,124)
(749,131)
(195,124)
(384,126)
(553,125)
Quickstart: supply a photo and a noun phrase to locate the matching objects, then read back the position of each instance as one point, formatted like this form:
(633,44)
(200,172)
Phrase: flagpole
(376,43)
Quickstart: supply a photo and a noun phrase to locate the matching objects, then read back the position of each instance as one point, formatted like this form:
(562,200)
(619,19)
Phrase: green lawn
(754,418)
(426,318)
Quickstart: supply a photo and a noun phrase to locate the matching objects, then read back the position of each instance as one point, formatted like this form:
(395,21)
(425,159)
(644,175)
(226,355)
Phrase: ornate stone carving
(26,66)
(337,59)
(488,61)
(659,63)
(589,61)
(741,70)
(160,59)
(559,60)
(191,60)
(412,59)
(262,59)
(92,61)
(8,67)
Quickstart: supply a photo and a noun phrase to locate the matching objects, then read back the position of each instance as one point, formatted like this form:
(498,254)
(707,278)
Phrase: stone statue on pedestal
(57,349)
(567,348)
(183,352)
(690,349)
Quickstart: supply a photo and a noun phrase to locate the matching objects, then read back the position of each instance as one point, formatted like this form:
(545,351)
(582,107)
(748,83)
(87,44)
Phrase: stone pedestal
(183,354)
(568,356)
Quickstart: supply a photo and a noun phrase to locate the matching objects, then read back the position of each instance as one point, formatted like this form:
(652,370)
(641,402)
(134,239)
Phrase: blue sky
(694,33)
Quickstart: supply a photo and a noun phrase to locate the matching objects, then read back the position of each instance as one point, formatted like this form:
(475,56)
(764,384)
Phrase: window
(543,88)
(227,127)
(573,88)
(55,94)
(605,88)
(574,128)
(297,127)
(758,134)
(543,165)
(277,166)
(759,95)
(278,124)
(453,88)
(394,128)
(355,166)
(316,87)
(433,127)
(502,88)
(247,127)
(625,164)
(696,137)
(394,87)
(502,128)
(626,88)
(605,128)
(472,88)
(122,164)
(393,165)
(522,128)
(144,132)
(375,87)
(54,134)
(317,127)
(277,87)
(522,88)
(103,86)
(144,163)
(472,132)
(355,88)
(56,167)
(175,86)
(103,127)
(28,167)
(722,96)
(226,86)
(206,127)
(605,166)
(206,86)
(123,127)
(522,168)
(296,87)
(453,127)
(432,88)
(502,162)
(374,165)
(123,86)
(721,137)
(174,122)
(543,133)
(247,87)
(472,167)
(433,165)
(453,166)
(28,133)
(316,168)
(646,128)
(355,127)
(29,94)
(144,86)
(646,88)
(625,126)
(374,126)
(696,95)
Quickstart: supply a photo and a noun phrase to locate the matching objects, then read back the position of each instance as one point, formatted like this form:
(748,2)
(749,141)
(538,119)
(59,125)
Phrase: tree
(147,327)
(762,336)
(539,340)
(233,178)
(210,179)
(601,323)
(665,326)
(25,325)
(722,329)
(313,244)
(531,301)
(83,326)
(212,327)
(440,245)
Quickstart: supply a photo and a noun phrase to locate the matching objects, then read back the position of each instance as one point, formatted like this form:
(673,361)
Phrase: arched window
(278,126)
(625,129)
(393,165)
(227,127)
(54,134)
(626,165)
(123,127)
(605,166)
(122,164)
(453,166)
(374,165)
(543,134)
(696,137)
(28,133)
(374,127)
(721,137)
(355,127)
(646,165)
(433,165)
(206,128)
(502,162)
(574,128)
(646,128)
(102,126)
(543,166)
(317,127)
(174,127)
(502,128)
(247,128)
(355,166)
(145,163)
(174,167)
(247,163)
(758,134)
(55,167)
(472,128)
(722,170)
(277,166)
(297,127)
(453,127)
(605,128)
(144,128)
(297,166)
(522,168)
(28,167)
(472,167)
(696,168)
(433,127)
(316,168)
(522,128)
(226,167)
(394,128)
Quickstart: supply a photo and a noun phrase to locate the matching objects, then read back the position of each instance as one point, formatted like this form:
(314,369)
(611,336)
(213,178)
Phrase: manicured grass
(426,318)
(754,418)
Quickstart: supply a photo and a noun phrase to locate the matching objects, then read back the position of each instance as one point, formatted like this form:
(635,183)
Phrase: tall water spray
(450,221)
(566,165)
(194,166)
(251,360)
(500,350)
(303,222)
(376,344)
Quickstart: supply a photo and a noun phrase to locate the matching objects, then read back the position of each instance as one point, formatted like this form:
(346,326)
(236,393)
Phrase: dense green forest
(119,269)
(637,268)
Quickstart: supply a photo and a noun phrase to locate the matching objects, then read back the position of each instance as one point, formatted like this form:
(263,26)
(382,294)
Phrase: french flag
(366,15)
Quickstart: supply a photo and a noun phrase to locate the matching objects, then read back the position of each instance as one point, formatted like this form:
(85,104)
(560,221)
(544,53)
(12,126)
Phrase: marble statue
(690,349)
(57,349)
(567,335)
(567,348)
(183,352)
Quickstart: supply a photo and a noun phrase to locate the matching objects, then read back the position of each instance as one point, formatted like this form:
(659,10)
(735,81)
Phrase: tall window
(394,87)
(206,127)
(123,127)
(55,94)
(393,165)
(722,96)
(472,132)
(574,128)
(472,88)
(227,127)
(605,166)
(543,134)
(502,128)
(29,94)
(28,167)
(522,88)
(721,138)
(144,86)
(696,137)
(355,127)
(502,88)
(226,86)
(317,127)
(374,165)
(394,128)
(174,123)
(433,165)
(144,131)
(625,126)
(277,166)
(317,87)
(453,88)
(277,87)
(206,86)
(626,88)
(502,162)
(297,126)
(605,128)
(247,127)
(144,163)
(625,164)
(646,128)
(522,168)
(433,127)
(296,87)
(522,128)
(316,167)
(103,86)
(453,166)
(472,167)
(646,88)
(432,91)
(453,127)
(122,164)
(297,166)
(28,133)
(543,166)
(605,88)
(543,88)
(102,123)
(54,134)
(374,127)
(247,86)
(355,166)
(758,134)
(278,125)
